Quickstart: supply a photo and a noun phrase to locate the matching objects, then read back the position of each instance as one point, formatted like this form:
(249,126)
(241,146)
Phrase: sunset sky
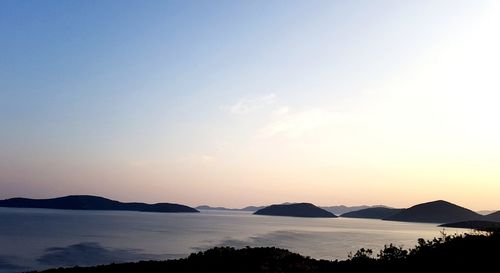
(236,103)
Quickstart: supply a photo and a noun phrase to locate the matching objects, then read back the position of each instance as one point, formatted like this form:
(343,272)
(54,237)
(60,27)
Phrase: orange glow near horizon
(394,109)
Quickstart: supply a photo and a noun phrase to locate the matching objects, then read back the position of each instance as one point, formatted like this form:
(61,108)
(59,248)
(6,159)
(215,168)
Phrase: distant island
(253,208)
(341,209)
(475,224)
(439,211)
(249,208)
(295,210)
(372,213)
(337,210)
(90,202)
(206,207)
(495,217)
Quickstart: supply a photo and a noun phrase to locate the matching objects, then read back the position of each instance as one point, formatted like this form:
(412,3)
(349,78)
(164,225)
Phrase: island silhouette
(248,208)
(372,213)
(495,217)
(295,210)
(90,202)
(474,224)
(439,211)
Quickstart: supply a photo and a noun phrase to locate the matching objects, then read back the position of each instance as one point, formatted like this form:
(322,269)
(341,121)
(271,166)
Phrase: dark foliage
(476,251)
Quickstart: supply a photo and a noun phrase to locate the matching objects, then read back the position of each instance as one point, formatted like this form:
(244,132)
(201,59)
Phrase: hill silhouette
(372,213)
(90,202)
(206,207)
(435,212)
(253,208)
(295,210)
(495,217)
(341,209)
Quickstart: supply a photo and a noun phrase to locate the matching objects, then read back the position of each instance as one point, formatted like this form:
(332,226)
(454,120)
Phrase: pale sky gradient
(235,103)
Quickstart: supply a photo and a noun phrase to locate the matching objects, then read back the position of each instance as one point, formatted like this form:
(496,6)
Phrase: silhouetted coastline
(372,213)
(296,210)
(90,202)
(477,250)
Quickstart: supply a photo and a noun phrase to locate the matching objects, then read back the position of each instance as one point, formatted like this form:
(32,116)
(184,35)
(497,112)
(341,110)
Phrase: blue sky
(198,102)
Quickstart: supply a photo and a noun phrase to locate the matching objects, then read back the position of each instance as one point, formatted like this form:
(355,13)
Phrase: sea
(37,239)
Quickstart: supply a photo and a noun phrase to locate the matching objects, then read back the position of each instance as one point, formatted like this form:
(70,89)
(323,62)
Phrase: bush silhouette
(479,250)
(392,253)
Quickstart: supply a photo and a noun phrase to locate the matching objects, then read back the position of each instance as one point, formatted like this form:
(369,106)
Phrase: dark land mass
(205,207)
(478,225)
(338,210)
(372,213)
(253,208)
(495,217)
(431,212)
(435,212)
(477,252)
(249,208)
(89,202)
(295,210)
(341,209)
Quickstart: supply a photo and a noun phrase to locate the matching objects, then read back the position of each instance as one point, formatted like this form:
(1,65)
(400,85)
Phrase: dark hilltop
(495,217)
(435,212)
(372,213)
(295,210)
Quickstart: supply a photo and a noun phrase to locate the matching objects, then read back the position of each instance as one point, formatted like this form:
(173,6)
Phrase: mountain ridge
(438,211)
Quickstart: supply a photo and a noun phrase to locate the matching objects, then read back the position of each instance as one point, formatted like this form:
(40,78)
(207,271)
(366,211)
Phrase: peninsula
(90,202)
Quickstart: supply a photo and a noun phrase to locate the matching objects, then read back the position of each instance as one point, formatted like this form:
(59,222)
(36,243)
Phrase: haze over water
(42,238)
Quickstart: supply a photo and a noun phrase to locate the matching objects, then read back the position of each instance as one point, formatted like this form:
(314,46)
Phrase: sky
(236,103)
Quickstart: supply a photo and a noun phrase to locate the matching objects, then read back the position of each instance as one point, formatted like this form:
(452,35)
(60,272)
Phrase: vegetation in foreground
(479,250)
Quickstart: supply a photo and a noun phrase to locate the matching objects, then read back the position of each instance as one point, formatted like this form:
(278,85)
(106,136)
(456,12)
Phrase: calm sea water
(42,238)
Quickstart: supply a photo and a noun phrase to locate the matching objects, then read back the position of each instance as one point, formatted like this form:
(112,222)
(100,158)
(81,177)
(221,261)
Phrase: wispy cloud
(280,111)
(197,159)
(297,124)
(247,105)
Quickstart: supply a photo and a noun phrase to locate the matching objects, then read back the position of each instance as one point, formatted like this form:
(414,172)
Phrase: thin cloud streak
(294,125)
(247,105)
